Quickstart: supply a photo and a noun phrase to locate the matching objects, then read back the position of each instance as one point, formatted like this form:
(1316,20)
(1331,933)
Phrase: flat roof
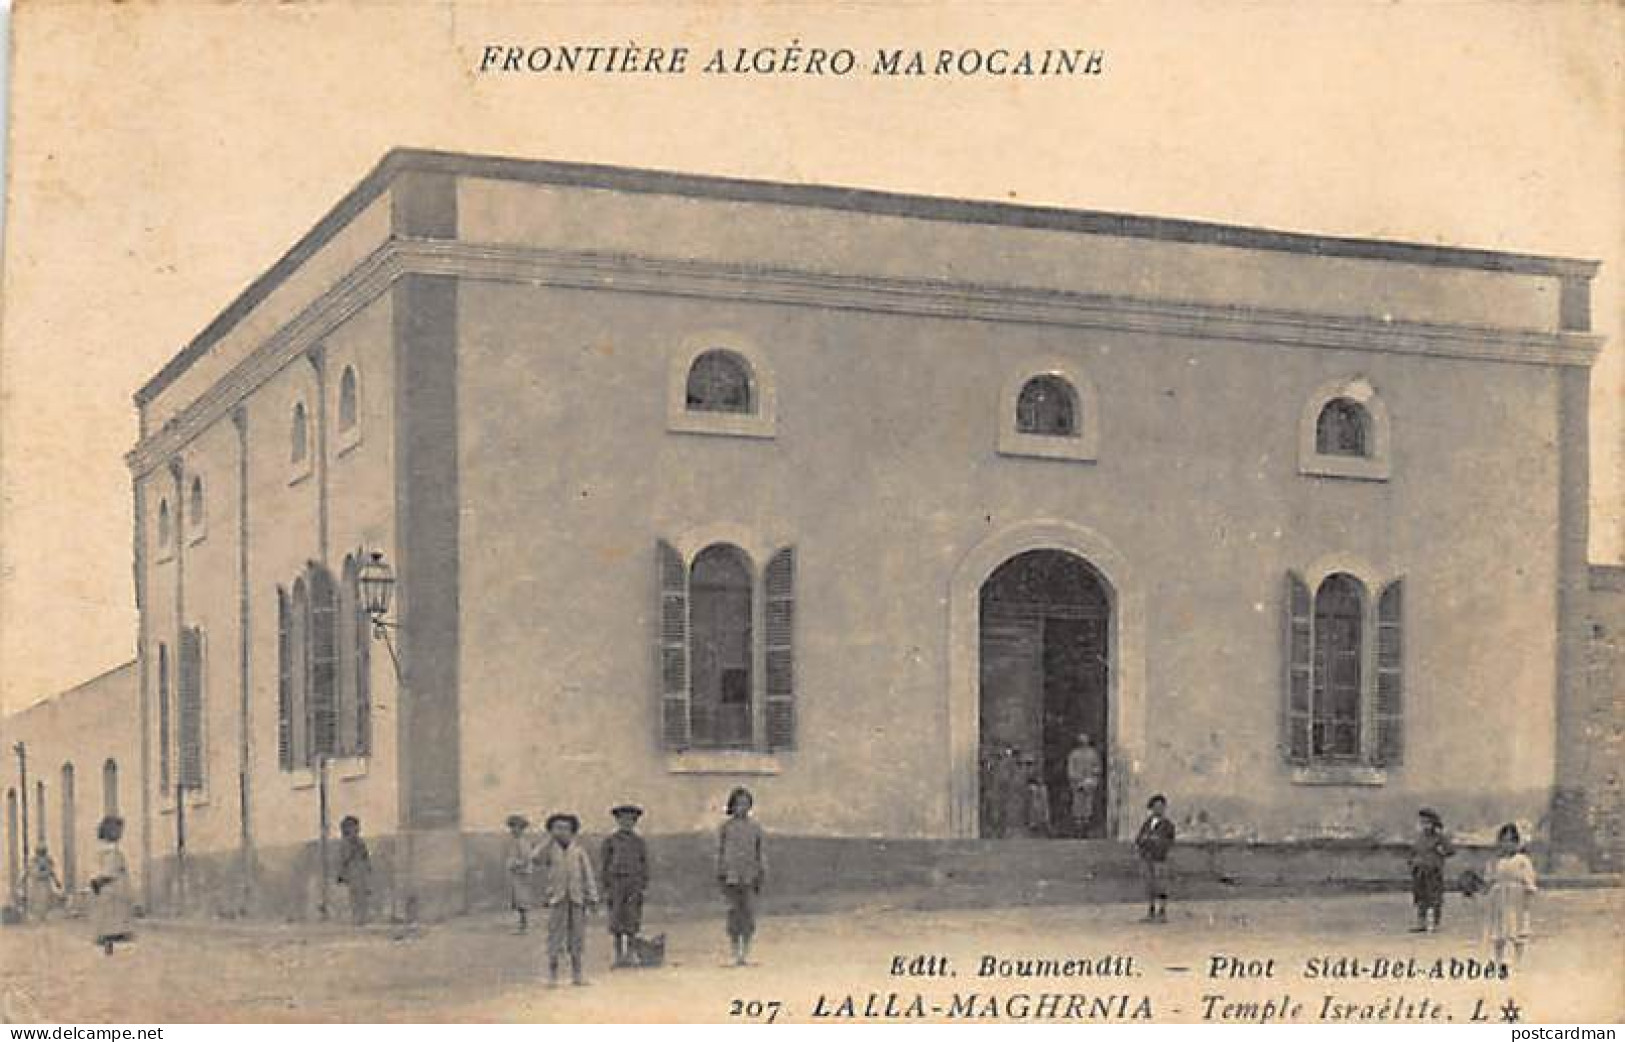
(828,197)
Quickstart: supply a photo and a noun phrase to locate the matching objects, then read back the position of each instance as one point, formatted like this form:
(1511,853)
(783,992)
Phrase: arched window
(1048,406)
(14,859)
(166,526)
(110,800)
(1339,636)
(720,381)
(298,435)
(1343,429)
(322,681)
(348,407)
(42,825)
(720,617)
(194,506)
(70,855)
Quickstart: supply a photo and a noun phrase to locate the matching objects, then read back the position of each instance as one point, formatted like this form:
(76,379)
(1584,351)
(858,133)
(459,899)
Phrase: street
(1344,958)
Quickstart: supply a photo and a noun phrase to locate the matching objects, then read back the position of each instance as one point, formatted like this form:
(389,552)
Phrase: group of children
(556,873)
(1507,884)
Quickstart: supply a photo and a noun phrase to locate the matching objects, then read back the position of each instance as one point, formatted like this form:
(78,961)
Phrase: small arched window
(348,407)
(110,788)
(299,435)
(1047,406)
(1343,429)
(194,505)
(166,525)
(719,381)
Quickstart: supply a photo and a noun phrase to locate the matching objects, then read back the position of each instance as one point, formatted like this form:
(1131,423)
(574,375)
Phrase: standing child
(741,869)
(1427,859)
(1038,817)
(1083,769)
(1155,840)
(571,890)
(1511,882)
(355,868)
(111,914)
(521,870)
(626,877)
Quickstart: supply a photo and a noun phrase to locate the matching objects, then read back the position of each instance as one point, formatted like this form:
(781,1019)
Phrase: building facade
(72,760)
(857,499)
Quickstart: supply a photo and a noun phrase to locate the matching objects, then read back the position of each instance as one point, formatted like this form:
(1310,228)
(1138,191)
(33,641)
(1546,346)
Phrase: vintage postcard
(834,513)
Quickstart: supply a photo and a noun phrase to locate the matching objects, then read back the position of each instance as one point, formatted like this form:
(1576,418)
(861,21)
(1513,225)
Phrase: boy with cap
(1427,869)
(571,890)
(1155,840)
(625,861)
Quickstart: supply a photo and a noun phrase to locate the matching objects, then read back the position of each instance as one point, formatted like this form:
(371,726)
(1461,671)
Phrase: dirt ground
(1279,957)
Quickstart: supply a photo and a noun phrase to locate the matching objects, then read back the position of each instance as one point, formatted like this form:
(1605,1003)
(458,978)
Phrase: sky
(161,156)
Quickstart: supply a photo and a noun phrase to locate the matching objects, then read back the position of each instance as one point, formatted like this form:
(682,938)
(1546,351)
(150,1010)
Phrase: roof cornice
(922,207)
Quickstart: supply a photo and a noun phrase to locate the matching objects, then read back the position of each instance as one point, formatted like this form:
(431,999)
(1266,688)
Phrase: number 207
(756,1009)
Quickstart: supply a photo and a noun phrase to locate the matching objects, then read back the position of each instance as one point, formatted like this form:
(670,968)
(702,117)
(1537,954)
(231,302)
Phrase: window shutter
(190,710)
(165,732)
(674,723)
(781,613)
(1295,707)
(1390,714)
(363,670)
(284,682)
(344,700)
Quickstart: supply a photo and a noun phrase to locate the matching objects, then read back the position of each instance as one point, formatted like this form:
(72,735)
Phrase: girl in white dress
(1511,883)
(111,912)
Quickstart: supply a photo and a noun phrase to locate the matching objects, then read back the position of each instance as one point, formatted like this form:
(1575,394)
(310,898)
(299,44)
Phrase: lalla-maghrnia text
(892,1005)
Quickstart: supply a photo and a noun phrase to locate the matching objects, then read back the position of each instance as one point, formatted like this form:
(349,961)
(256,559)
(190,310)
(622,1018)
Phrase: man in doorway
(1083,769)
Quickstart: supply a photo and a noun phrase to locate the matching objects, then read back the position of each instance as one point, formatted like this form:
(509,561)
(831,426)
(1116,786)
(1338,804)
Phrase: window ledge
(1047,446)
(1355,468)
(194,798)
(198,537)
(300,473)
(339,768)
(348,440)
(1340,774)
(724,424)
(164,556)
(350,768)
(722,761)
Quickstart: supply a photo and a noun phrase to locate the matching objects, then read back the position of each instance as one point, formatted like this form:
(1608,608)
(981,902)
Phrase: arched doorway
(1044,675)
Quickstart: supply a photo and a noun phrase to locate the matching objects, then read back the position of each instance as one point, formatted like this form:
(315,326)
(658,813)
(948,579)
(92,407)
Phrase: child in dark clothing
(355,868)
(1426,860)
(1155,840)
(625,862)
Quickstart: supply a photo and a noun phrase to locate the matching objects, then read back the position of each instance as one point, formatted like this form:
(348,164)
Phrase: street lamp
(377,581)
